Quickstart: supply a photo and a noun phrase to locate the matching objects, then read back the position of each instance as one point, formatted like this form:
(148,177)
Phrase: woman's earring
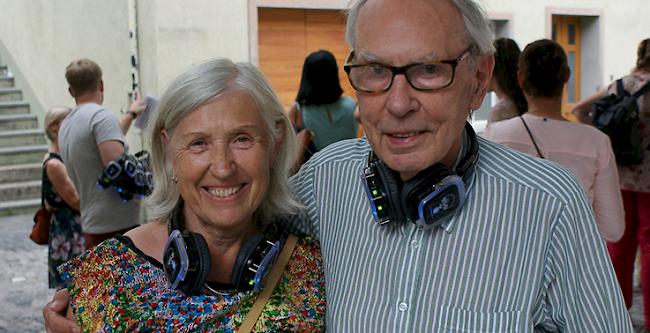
(174,179)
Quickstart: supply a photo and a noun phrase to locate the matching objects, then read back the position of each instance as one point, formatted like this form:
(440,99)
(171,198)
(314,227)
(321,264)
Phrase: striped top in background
(523,255)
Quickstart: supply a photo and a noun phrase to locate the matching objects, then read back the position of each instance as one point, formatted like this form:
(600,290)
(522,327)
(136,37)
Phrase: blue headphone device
(427,199)
(186,259)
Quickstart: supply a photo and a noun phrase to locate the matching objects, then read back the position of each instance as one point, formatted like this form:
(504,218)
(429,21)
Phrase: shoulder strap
(272,280)
(620,89)
(531,138)
(642,91)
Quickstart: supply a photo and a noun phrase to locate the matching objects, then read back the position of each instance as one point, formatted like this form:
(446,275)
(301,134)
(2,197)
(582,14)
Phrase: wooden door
(287,36)
(567,32)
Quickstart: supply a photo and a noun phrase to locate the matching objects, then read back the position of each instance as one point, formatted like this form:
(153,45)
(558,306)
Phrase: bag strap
(531,137)
(272,280)
(642,91)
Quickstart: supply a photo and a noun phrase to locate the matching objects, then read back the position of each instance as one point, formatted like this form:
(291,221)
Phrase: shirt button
(403,306)
(415,244)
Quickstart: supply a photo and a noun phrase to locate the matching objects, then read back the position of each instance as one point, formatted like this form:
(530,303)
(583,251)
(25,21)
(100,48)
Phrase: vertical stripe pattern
(522,255)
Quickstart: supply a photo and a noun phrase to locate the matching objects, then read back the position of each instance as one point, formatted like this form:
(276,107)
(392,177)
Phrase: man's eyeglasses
(425,76)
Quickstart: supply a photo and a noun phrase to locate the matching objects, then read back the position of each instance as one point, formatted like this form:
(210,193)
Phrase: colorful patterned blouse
(117,288)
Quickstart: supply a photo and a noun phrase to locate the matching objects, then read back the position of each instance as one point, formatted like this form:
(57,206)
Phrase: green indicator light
(379,208)
(250,282)
(374,192)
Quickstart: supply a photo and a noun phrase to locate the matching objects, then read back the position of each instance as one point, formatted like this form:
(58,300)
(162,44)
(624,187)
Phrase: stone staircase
(22,147)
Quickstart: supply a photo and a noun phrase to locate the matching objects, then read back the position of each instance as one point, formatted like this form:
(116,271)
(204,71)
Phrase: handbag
(41,229)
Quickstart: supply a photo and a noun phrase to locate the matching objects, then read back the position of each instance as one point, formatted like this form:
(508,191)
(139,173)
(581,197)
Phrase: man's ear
(70,91)
(484,69)
(101,85)
(520,78)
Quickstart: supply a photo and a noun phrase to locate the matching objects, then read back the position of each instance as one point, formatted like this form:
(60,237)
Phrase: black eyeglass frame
(402,70)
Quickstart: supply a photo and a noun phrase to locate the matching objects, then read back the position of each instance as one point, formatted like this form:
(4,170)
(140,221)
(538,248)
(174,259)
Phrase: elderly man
(426,228)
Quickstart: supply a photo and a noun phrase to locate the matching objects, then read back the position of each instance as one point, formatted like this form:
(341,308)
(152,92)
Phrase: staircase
(22,147)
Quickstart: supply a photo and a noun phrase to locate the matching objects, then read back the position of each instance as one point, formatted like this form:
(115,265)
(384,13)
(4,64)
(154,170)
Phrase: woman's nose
(222,163)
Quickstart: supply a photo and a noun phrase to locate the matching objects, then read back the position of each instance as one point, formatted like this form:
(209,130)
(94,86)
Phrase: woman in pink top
(635,186)
(543,132)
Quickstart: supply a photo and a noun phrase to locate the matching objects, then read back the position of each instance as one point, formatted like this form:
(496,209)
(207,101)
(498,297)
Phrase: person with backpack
(543,132)
(635,183)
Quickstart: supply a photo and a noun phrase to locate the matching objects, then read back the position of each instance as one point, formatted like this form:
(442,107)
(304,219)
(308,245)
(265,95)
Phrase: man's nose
(400,97)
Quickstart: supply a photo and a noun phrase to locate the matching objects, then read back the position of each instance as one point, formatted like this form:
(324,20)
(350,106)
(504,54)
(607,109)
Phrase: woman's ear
(165,138)
(281,128)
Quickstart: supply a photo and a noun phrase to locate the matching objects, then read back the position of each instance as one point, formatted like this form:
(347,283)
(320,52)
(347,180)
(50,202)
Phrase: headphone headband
(426,199)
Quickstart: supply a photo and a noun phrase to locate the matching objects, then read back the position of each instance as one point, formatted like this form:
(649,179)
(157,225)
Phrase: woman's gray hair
(200,85)
(476,24)
(52,116)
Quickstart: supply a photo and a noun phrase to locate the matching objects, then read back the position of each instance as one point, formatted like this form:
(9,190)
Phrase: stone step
(22,155)
(11,94)
(17,122)
(20,172)
(20,190)
(19,207)
(22,138)
(13,107)
(6,82)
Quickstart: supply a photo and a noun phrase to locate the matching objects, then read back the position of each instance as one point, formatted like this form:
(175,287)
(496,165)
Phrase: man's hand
(138,105)
(54,314)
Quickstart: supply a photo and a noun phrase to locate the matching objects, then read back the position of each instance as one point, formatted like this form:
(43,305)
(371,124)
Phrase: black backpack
(617,115)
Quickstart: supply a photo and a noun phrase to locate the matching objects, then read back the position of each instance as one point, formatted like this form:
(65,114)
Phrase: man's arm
(136,108)
(581,290)
(110,150)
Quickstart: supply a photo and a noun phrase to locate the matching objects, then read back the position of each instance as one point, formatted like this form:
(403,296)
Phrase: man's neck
(545,107)
(88,98)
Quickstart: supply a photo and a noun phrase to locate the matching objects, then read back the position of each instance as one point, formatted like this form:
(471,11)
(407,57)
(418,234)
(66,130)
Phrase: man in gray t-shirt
(91,137)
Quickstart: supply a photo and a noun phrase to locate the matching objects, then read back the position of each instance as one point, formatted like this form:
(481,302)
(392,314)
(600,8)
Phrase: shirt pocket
(455,320)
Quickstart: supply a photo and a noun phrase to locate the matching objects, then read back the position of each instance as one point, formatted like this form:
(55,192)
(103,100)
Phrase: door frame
(253,5)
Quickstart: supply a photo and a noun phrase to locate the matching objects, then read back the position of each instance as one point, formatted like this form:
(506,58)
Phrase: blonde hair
(53,116)
(198,86)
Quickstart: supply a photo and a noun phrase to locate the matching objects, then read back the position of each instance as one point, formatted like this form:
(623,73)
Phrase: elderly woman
(221,149)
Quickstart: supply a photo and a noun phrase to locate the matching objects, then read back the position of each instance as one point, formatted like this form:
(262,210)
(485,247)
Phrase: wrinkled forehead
(399,32)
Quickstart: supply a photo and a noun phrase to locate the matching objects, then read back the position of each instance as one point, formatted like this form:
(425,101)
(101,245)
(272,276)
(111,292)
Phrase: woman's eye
(197,144)
(243,141)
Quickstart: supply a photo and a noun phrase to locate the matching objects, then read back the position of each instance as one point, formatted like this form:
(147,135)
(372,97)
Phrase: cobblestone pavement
(23,279)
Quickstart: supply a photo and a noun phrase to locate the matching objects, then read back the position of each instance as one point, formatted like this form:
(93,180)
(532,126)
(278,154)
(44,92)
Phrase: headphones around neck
(427,199)
(186,259)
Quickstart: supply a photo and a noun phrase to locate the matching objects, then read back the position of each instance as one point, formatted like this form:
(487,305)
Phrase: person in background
(635,186)
(319,106)
(512,102)
(65,241)
(543,132)
(90,138)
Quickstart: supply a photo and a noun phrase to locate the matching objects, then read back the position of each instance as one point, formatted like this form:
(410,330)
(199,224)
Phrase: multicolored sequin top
(117,288)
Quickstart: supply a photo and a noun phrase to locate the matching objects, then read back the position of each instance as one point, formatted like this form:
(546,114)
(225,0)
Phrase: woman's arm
(583,108)
(54,311)
(62,184)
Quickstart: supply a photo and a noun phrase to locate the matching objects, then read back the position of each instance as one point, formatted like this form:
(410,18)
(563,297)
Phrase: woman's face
(222,156)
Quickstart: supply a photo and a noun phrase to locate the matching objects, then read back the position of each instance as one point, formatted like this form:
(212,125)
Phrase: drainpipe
(133,41)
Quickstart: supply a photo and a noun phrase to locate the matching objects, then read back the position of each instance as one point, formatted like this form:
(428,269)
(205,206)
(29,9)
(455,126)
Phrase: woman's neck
(54,147)
(545,107)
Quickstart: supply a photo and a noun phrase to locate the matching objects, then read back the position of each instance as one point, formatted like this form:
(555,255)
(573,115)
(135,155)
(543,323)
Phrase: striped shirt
(522,255)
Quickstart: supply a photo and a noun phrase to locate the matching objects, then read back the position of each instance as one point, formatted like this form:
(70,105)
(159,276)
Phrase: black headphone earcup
(245,253)
(201,260)
(391,189)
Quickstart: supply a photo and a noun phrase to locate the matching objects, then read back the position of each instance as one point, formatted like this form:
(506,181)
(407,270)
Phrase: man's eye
(430,69)
(196,143)
(377,70)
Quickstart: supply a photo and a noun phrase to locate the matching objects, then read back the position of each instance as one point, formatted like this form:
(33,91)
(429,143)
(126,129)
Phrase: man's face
(408,129)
